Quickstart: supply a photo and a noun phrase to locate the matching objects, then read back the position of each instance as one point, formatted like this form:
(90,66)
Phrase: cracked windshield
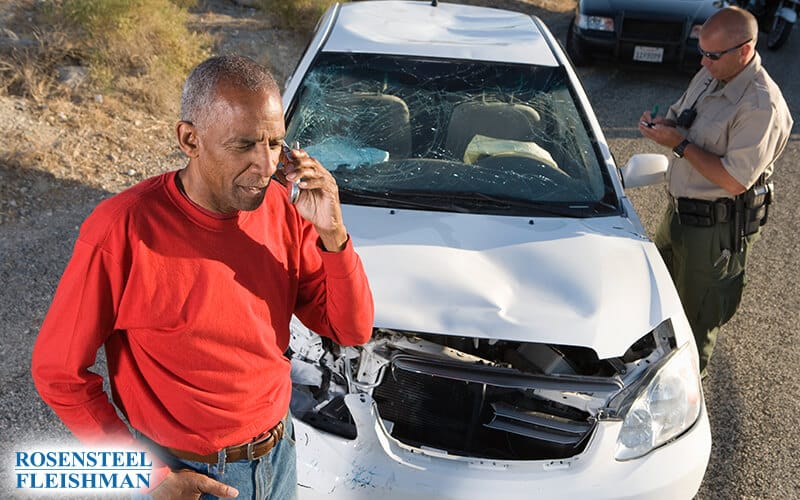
(450,136)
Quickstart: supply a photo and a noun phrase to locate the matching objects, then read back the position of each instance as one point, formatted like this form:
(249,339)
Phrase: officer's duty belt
(703,213)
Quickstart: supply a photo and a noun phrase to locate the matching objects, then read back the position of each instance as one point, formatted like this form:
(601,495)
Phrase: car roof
(446,31)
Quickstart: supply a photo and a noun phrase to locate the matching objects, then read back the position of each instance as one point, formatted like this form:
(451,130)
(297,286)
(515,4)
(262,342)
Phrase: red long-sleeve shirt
(193,309)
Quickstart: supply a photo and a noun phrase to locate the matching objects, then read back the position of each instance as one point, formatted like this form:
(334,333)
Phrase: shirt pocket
(712,136)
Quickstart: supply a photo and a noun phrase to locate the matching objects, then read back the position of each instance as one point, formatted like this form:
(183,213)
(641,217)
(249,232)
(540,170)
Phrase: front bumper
(374,465)
(612,46)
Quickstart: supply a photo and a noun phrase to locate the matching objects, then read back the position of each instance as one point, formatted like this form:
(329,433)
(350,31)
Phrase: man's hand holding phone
(313,190)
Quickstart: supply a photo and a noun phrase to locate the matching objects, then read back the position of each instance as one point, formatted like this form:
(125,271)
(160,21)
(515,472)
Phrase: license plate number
(648,54)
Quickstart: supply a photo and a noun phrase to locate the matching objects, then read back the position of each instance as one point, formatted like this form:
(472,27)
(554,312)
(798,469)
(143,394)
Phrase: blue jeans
(271,477)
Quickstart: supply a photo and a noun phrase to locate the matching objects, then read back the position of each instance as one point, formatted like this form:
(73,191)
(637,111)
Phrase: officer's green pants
(708,275)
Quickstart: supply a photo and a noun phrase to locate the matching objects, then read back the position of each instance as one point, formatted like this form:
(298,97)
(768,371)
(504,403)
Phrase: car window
(450,135)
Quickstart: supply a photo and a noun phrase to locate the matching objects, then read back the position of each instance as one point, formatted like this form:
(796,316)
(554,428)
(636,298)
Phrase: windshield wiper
(595,207)
(454,200)
(389,199)
(538,207)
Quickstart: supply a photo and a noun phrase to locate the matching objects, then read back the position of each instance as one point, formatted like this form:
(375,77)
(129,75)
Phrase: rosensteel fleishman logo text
(82,470)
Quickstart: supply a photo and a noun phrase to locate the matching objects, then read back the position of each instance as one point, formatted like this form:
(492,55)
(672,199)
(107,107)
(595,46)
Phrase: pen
(655,112)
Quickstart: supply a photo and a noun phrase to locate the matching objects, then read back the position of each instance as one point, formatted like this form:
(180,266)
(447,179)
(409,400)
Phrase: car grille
(651,30)
(479,420)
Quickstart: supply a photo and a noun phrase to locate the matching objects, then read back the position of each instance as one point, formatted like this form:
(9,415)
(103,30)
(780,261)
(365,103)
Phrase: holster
(751,211)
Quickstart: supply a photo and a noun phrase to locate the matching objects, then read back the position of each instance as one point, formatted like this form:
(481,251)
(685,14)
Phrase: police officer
(725,131)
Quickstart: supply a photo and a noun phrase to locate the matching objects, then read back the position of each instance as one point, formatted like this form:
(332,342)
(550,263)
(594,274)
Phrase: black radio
(686,118)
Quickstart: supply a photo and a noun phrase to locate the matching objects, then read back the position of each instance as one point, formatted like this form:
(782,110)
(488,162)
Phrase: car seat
(500,120)
(376,120)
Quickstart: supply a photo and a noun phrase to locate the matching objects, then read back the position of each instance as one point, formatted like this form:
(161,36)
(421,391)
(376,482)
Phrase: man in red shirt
(189,280)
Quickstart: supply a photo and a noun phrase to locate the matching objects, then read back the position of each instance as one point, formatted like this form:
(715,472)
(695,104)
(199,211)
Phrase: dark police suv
(645,32)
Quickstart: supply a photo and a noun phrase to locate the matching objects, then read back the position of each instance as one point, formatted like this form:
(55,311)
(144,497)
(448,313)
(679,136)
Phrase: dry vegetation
(89,89)
(139,50)
(300,13)
(135,50)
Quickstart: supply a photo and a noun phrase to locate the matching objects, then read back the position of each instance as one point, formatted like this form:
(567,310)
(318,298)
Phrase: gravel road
(752,390)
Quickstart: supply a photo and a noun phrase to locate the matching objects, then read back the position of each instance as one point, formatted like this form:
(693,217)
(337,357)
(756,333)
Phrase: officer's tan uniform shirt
(746,122)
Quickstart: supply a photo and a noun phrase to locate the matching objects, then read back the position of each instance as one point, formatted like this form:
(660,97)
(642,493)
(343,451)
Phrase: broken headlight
(664,408)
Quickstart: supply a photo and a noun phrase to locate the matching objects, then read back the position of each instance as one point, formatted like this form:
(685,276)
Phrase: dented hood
(596,282)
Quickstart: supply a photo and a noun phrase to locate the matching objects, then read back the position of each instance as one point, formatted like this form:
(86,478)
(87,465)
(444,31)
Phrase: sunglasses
(714,56)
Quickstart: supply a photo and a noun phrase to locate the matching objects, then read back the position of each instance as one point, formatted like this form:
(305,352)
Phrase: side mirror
(644,170)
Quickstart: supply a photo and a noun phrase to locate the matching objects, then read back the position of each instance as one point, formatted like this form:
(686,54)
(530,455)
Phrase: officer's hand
(660,131)
(189,485)
(647,118)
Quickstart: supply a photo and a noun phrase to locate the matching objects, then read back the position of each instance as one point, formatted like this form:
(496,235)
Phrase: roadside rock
(72,76)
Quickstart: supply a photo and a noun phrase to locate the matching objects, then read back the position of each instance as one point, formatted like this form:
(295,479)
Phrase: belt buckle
(261,439)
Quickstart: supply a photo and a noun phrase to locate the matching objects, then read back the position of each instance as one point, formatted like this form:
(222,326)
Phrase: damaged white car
(528,340)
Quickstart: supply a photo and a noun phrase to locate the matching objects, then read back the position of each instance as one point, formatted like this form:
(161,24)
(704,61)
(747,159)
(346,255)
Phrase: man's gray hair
(200,86)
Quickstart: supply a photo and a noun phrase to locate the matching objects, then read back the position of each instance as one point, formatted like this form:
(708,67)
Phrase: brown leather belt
(257,448)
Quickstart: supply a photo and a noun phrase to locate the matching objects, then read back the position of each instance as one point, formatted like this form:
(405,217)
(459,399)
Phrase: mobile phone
(293,190)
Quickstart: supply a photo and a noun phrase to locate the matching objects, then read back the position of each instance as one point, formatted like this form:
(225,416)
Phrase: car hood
(697,9)
(596,282)
(449,30)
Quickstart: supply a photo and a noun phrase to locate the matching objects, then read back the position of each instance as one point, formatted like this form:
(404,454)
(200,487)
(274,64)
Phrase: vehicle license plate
(648,54)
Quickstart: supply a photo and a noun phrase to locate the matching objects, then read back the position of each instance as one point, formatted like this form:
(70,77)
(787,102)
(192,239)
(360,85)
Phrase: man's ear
(747,52)
(187,138)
